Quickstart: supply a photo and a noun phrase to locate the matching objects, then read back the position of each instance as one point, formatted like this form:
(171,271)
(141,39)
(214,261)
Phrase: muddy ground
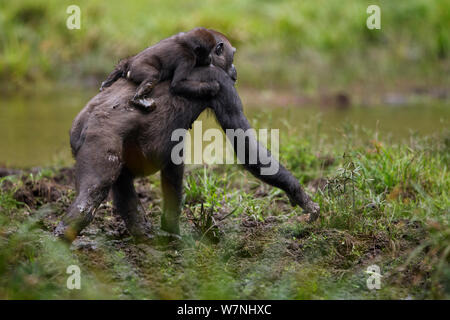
(221,254)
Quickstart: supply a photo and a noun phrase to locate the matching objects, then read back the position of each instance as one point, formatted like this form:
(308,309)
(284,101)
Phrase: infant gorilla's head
(223,54)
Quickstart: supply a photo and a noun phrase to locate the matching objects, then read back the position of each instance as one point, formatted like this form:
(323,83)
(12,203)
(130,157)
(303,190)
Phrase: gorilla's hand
(215,87)
(310,207)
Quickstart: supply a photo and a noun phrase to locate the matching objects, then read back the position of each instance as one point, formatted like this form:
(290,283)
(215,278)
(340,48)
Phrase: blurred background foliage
(373,151)
(307,45)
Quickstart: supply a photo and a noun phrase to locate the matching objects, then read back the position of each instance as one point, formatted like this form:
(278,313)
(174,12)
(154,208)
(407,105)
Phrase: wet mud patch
(36,193)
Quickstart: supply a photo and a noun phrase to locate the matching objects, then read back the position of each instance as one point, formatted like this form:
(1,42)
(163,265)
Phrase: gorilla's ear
(219,49)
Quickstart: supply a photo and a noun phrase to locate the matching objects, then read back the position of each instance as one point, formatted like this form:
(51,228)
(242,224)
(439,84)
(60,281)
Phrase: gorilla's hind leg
(172,187)
(129,208)
(82,210)
(96,170)
(118,72)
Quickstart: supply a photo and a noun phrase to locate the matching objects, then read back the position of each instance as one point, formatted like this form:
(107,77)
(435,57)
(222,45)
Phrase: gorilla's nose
(233,73)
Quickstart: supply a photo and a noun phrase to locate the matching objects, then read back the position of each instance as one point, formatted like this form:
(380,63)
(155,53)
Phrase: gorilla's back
(109,119)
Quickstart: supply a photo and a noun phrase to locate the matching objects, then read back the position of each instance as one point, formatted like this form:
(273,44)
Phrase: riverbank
(382,204)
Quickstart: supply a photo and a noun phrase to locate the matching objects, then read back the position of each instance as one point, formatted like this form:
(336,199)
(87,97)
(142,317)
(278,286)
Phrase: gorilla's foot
(144,104)
(165,238)
(65,232)
(141,234)
(105,84)
(171,226)
(143,238)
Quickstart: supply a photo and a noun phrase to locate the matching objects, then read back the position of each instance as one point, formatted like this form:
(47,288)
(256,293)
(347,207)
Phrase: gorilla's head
(223,54)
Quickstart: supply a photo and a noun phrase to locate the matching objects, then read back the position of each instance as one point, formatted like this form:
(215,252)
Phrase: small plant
(205,223)
(203,189)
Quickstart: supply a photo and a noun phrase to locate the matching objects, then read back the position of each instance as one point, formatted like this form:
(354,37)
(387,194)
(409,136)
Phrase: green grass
(306,45)
(382,203)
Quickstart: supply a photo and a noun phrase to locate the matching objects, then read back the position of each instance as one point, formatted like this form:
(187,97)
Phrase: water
(34,130)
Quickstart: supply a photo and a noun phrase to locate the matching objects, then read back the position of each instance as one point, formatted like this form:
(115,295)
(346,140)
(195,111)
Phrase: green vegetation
(382,203)
(312,45)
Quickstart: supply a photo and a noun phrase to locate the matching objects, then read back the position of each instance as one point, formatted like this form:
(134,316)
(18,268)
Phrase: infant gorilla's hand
(213,88)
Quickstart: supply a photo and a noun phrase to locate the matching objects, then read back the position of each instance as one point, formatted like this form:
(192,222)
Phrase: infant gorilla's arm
(192,89)
(197,89)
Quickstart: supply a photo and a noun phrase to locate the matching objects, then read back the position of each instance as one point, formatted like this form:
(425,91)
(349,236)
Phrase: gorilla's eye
(219,49)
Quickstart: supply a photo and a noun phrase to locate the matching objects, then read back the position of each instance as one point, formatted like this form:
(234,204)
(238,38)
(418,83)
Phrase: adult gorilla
(113,142)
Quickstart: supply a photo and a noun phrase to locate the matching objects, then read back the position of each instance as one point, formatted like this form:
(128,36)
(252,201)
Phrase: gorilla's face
(223,54)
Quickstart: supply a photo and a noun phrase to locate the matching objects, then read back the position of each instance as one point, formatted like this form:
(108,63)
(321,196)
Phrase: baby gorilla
(174,57)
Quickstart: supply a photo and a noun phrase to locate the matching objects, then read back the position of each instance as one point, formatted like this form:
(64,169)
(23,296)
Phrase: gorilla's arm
(227,107)
(196,89)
